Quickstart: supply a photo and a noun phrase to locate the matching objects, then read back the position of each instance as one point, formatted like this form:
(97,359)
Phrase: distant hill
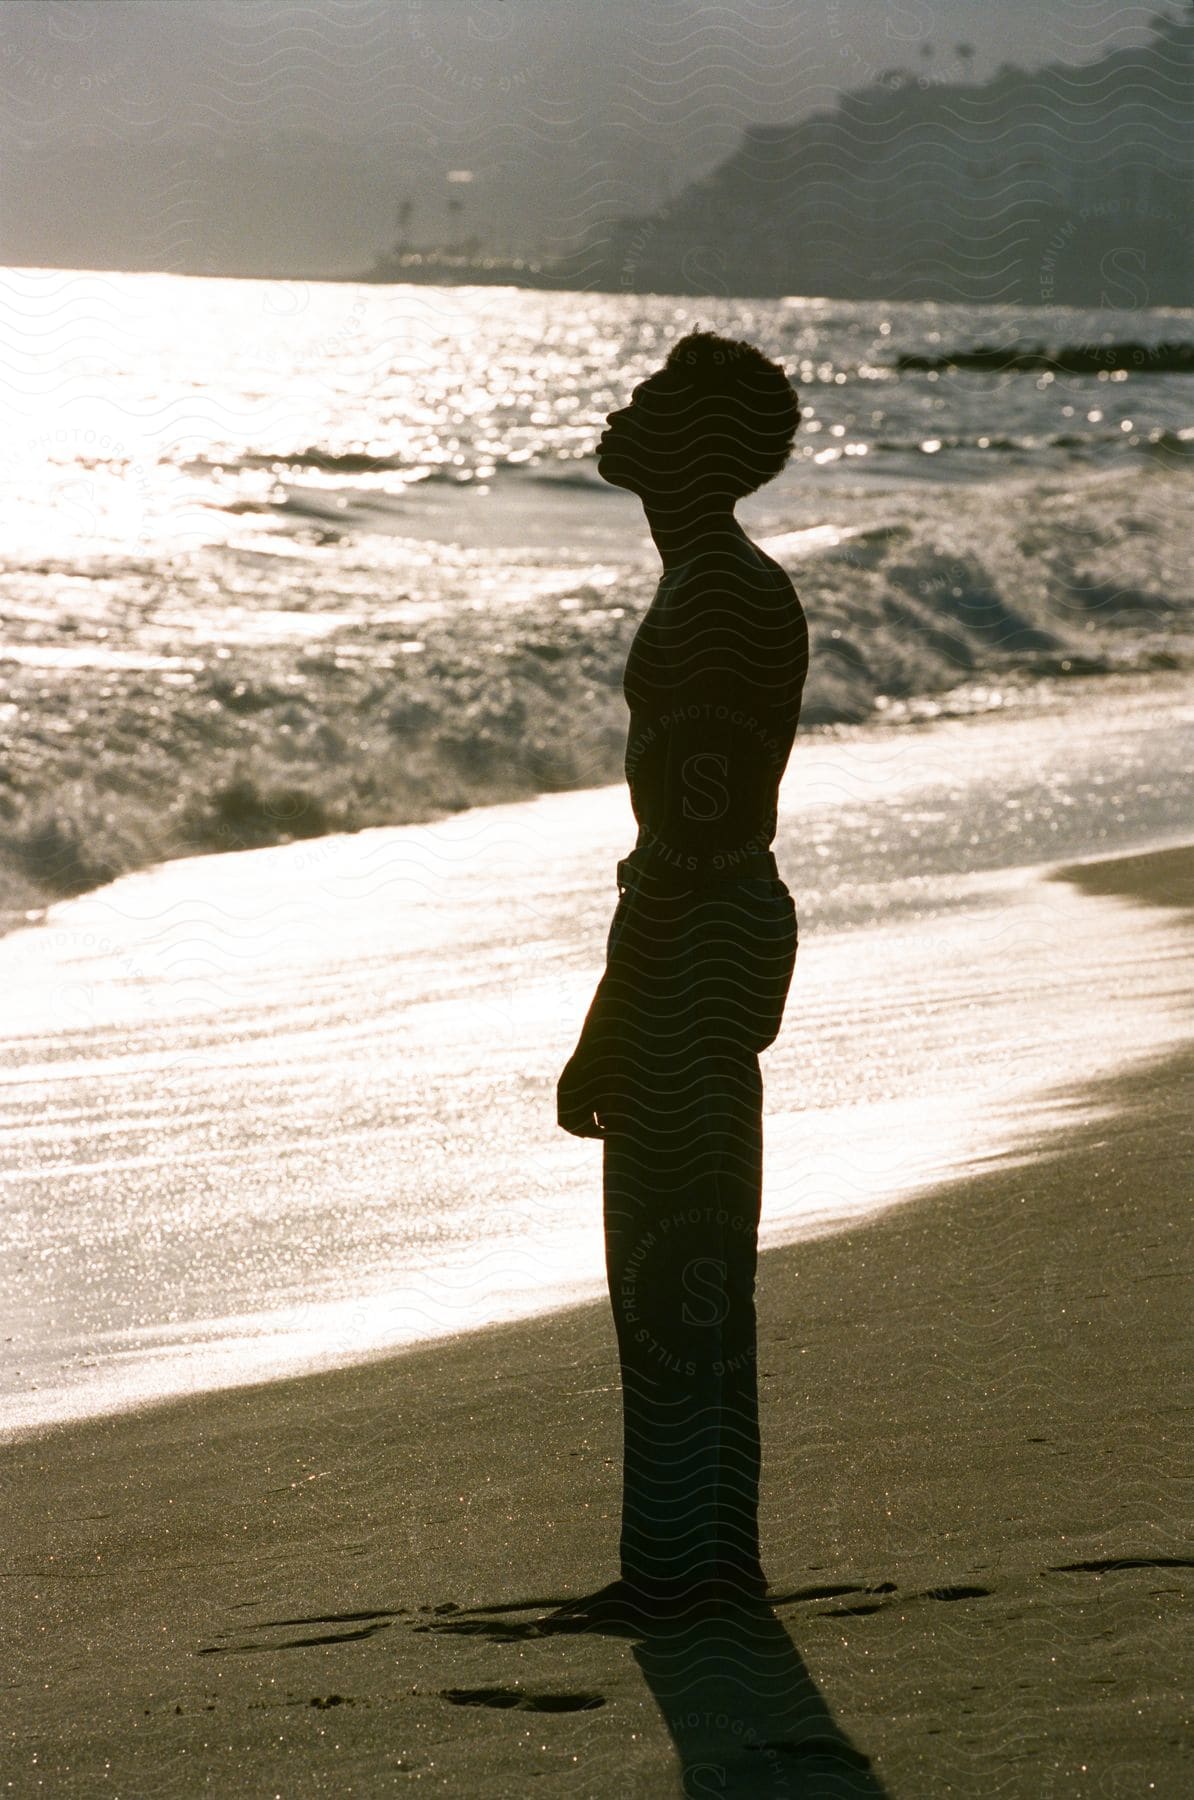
(1070,185)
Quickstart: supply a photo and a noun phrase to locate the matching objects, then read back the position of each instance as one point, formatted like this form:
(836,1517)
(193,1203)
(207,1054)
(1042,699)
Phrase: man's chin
(616,472)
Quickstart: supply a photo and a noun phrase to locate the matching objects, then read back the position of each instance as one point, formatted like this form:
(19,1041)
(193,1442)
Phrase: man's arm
(585,1085)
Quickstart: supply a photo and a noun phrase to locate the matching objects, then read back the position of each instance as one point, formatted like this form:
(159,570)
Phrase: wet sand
(975,1522)
(276,1110)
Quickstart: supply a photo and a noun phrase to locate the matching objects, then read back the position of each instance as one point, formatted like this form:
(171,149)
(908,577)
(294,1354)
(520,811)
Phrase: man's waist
(650,868)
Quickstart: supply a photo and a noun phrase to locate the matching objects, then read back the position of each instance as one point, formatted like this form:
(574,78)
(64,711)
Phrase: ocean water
(346,544)
(279,558)
(275,1110)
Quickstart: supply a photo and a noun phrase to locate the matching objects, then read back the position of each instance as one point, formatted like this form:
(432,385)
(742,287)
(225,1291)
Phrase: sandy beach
(975,1524)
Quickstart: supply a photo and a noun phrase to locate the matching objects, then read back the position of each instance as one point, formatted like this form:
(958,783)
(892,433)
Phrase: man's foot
(618,1603)
(636,1603)
(747,1578)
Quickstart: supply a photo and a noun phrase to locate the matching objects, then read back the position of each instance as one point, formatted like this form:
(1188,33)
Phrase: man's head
(716,422)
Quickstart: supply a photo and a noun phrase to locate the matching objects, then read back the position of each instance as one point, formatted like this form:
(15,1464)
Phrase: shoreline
(566,286)
(974,1446)
(247,813)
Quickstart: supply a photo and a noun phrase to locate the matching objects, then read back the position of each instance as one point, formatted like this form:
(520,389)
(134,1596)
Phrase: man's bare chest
(739,621)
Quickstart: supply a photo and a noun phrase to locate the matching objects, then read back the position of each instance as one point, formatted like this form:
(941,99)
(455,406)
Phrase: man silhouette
(699,959)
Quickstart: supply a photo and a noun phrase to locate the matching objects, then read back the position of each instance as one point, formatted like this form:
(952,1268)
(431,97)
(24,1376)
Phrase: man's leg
(682,1189)
(702,990)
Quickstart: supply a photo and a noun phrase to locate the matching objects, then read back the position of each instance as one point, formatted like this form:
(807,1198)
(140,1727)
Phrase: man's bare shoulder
(731,620)
(737,574)
(779,577)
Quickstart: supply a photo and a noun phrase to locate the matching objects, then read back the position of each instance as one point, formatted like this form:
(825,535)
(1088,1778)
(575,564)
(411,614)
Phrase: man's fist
(577,1099)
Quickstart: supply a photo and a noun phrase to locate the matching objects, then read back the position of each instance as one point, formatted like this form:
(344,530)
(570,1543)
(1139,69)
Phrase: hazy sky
(561,110)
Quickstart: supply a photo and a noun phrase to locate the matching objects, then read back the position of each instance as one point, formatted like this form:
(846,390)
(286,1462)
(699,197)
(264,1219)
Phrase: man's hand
(577,1098)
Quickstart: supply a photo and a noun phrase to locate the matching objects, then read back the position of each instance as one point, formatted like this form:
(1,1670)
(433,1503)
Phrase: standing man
(699,960)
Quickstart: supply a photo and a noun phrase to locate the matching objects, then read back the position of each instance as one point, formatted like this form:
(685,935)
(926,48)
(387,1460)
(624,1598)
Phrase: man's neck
(682,536)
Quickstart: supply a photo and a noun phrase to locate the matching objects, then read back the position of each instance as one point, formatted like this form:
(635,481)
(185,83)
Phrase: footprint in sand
(956,1591)
(369,1622)
(1122,1562)
(523,1701)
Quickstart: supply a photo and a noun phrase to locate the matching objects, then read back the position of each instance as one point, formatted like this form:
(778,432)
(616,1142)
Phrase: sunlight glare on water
(269,1110)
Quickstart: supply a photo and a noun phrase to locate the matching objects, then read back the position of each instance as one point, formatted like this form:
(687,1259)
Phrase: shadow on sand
(744,1713)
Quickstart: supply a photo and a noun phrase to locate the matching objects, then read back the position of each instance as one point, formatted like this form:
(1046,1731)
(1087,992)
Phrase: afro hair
(740,411)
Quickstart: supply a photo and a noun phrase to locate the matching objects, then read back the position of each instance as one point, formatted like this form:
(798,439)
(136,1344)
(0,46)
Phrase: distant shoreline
(570,286)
